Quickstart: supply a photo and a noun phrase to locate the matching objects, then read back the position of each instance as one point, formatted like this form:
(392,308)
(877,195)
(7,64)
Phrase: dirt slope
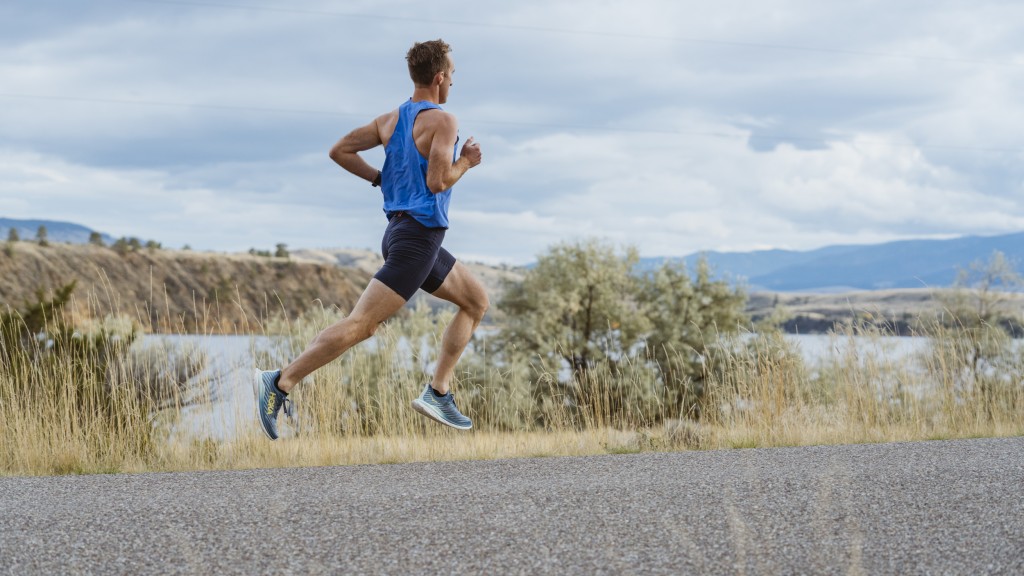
(176,291)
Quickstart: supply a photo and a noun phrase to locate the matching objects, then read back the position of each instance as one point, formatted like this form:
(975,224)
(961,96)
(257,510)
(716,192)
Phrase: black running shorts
(413,257)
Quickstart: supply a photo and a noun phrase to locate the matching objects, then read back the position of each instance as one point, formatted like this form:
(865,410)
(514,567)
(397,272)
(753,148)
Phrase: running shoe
(269,401)
(441,409)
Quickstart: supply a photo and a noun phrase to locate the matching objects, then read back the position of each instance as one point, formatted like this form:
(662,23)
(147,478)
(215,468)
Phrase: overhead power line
(157,103)
(600,33)
(763,137)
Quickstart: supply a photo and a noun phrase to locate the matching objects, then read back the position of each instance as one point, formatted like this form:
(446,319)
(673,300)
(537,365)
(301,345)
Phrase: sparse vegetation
(77,398)
(121,246)
(702,381)
(171,291)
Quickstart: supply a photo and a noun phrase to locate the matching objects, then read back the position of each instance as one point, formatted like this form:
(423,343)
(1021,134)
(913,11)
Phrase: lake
(231,362)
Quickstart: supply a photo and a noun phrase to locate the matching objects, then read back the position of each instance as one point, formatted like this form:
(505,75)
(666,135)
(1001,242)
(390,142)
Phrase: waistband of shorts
(394,217)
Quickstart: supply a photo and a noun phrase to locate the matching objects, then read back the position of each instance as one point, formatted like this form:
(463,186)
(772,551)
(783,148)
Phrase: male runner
(420,168)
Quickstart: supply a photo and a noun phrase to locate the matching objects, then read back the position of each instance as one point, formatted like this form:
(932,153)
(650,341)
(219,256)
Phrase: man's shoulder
(387,117)
(386,124)
(437,118)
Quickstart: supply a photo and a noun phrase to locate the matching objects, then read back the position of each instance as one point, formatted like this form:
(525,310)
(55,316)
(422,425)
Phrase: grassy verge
(83,401)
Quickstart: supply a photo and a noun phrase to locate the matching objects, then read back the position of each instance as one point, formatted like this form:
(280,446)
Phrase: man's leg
(461,288)
(377,304)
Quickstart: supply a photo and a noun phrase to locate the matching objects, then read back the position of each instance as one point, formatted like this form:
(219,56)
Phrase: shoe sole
(257,381)
(430,412)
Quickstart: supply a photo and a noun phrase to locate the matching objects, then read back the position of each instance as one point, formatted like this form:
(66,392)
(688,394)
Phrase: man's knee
(477,306)
(357,328)
(366,328)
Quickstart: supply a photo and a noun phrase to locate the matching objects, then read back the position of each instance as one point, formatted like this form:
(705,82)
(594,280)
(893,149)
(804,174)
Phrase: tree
(96,239)
(982,291)
(12,235)
(121,246)
(152,245)
(39,316)
(578,304)
(687,315)
(41,236)
(971,340)
(282,251)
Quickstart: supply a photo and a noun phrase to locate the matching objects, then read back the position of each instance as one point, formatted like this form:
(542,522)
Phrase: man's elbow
(436,185)
(336,153)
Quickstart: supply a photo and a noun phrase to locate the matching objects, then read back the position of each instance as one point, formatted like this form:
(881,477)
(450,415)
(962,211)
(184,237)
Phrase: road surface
(953,507)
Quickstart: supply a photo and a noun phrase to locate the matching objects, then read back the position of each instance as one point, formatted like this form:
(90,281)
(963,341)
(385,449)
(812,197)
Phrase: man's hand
(442,173)
(471,152)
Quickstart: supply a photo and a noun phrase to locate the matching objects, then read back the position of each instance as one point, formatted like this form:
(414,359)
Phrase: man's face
(446,81)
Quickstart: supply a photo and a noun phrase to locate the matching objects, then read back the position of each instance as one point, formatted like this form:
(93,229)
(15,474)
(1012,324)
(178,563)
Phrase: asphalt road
(911,508)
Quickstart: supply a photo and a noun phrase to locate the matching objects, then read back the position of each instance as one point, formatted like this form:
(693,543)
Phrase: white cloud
(706,131)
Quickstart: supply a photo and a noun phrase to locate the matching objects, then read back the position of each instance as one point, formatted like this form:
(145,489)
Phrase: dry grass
(175,291)
(56,418)
(252,450)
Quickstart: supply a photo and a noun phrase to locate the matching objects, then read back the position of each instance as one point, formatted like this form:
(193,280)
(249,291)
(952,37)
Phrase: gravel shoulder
(944,507)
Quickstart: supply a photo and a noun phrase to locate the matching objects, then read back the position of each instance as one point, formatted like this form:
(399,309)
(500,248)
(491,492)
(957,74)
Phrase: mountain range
(842,268)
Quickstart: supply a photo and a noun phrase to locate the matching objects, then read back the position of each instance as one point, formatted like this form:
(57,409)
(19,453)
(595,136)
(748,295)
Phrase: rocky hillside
(197,292)
(176,291)
(895,312)
(492,277)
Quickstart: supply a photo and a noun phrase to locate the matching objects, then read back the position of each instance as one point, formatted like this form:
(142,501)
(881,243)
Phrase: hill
(492,277)
(176,291)
(901,264)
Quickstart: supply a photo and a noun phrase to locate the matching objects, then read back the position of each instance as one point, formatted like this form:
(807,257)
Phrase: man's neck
(428,93)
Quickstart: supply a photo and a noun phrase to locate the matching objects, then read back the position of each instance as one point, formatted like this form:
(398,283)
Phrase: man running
(420,168)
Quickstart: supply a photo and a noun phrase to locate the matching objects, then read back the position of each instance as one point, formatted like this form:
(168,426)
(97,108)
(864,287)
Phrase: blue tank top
(404,176)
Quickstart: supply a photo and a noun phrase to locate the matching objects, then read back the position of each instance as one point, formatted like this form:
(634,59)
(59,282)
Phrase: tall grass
(766,395)
(97,404)
(84,399)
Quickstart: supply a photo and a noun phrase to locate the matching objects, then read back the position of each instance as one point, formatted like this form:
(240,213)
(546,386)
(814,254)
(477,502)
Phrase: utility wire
(517,124)
(554,30)
(156,103)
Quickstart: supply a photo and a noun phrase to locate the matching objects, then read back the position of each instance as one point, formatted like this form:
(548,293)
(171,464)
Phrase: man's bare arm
(442,173)
(346,151)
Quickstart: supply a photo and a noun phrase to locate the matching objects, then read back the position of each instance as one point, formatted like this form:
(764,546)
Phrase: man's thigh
(462,288)
(377,303)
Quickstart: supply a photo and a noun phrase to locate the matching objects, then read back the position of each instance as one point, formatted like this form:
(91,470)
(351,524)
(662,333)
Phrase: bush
(77,398)
(627,340)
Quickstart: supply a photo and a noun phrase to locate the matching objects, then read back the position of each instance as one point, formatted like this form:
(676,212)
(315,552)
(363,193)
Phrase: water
(232,360)
(817,348)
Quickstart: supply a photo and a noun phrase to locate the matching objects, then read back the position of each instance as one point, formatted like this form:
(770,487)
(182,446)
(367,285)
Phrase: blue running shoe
(441,409)
(269,401)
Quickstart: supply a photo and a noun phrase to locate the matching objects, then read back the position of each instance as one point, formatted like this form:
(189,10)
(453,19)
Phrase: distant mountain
(900,264)
(56,231)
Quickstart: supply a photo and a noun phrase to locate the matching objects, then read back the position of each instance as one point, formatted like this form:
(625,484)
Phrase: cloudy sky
(674,126)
